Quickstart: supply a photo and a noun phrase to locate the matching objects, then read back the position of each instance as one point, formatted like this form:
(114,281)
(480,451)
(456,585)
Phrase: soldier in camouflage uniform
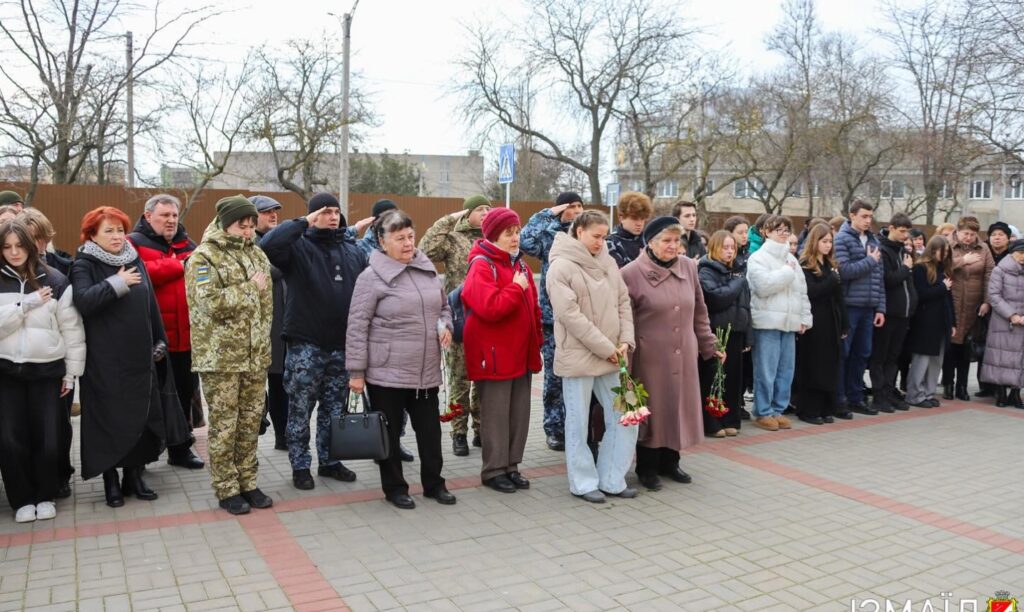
(449,241)
(227,283)
(536,239)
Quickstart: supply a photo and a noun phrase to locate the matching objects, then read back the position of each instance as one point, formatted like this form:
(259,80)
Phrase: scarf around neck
(127,255)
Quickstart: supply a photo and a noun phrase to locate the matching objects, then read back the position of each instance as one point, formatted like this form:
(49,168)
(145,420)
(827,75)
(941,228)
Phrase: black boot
(1001,397)
(961,393)
(182,456)
(112,489)
(134,485)
(1014,399)
(460,448)
(947,391)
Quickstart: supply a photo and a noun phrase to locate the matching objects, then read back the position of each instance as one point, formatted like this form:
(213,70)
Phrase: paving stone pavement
(916,506)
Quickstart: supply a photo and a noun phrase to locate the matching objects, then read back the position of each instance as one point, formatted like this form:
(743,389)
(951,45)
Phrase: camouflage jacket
(536,239)
(230,316)
(449,241)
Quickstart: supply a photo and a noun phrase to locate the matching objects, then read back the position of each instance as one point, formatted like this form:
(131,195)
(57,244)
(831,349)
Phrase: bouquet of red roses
(630,398)
(713,403)
(454,409)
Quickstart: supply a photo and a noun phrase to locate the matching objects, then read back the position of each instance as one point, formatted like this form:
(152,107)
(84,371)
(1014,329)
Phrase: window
(709,187)
(637,186)
(795,191)
(981,190)
(745,188)
(947,192)
(668,189)
(445,172)
(1015,187)
(892,189)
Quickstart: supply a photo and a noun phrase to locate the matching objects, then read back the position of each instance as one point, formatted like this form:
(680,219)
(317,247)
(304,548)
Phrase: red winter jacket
(502,335)
(167,272)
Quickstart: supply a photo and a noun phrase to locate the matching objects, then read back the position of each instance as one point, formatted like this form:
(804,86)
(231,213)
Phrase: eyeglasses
(784,231)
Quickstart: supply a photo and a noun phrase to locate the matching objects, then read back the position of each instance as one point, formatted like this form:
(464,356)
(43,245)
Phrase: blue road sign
(506,164)
(611,194)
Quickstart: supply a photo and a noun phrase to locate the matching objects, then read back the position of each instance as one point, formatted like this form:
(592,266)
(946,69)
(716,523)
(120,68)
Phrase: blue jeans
(856,353)
(774,362)
(617,446)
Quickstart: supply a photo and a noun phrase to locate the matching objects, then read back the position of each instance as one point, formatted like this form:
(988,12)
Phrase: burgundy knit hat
(497,221)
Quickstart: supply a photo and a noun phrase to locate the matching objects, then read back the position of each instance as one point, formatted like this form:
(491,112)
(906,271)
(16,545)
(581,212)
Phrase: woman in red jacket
(502,340)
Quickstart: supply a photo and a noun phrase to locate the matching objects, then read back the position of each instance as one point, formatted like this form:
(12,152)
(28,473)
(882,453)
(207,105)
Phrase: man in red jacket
(164,246)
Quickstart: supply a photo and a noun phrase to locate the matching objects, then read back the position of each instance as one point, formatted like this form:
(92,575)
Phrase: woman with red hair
(125,422)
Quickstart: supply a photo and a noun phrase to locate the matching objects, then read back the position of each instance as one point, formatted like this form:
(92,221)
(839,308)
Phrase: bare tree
(297,115)
(940,53)
(583,56)
(64,45)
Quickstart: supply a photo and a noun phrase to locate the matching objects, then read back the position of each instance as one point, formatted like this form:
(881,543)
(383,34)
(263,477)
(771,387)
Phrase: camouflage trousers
(462,391)
(236,408)
(313,376)
(554,406)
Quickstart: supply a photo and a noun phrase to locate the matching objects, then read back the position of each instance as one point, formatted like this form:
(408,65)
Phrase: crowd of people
(270,321)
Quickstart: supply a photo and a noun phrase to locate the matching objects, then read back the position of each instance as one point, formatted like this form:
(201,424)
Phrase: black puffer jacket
(726,295)
(320,267)
(900,293)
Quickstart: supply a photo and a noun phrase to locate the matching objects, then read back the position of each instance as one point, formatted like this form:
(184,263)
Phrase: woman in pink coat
(672,332)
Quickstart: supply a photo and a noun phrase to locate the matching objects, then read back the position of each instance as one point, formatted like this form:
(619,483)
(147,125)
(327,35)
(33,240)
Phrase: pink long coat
(671,326)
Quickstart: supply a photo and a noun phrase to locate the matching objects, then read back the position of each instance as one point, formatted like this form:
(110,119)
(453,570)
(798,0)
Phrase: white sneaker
(25,514)
(45,510)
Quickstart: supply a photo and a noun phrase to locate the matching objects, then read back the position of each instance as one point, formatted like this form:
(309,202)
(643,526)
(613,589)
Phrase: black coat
(694,245)
(819,348)
(623,246)
(277,347)
(932,324)
(320,267)
(726,295)
(122,395)
(900,292)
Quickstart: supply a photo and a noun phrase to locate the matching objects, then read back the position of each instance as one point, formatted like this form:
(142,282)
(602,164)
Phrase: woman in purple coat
(398,323)
(1004,347)
(672,329)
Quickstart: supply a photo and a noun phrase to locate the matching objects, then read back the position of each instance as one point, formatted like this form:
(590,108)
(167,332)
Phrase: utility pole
(131,111)
(346,64)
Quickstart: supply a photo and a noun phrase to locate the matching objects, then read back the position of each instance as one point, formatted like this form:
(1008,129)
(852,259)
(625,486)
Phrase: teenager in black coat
(933,323)
(727,297)
(818,349)
(129,410)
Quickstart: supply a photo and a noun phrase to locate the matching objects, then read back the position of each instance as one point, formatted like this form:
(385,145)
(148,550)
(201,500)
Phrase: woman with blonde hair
(819,348)
(727,297)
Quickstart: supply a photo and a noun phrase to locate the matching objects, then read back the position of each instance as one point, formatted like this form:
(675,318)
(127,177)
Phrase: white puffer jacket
(42,334)
(778,291)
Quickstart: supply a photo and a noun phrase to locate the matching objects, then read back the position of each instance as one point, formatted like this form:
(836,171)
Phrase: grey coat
(392,337)
(1004,347)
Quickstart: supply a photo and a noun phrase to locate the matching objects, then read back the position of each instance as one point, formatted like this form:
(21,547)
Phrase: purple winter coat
(392,338)
(1004,347)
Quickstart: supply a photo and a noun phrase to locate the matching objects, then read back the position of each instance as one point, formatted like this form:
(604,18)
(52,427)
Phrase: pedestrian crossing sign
(506,164)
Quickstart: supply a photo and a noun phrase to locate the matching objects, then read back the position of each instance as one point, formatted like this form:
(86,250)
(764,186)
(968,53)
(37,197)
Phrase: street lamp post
(346,63)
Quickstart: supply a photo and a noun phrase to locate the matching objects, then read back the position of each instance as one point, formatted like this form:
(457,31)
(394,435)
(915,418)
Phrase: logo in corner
(1002,602)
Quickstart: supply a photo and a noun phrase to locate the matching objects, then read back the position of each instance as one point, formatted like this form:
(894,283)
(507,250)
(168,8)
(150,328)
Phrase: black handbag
(359,433)
(976,340)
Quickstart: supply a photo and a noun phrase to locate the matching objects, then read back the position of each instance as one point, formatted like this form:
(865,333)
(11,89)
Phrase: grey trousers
(504,424)
(923,376)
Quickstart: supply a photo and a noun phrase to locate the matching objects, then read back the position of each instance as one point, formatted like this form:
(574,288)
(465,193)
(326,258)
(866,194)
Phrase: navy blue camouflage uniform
(536,239)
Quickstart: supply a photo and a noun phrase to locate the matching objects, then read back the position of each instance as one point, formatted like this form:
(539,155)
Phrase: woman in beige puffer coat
(593,328)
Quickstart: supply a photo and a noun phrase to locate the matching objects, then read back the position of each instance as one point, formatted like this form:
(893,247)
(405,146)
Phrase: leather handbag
(359,432)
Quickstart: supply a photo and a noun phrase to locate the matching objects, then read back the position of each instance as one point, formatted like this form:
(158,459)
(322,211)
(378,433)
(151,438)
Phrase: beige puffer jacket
(591,308)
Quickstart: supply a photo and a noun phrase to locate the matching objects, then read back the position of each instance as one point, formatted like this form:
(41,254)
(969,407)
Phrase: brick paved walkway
(906,506)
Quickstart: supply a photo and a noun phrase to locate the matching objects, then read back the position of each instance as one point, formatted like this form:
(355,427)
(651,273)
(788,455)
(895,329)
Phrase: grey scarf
(127,255)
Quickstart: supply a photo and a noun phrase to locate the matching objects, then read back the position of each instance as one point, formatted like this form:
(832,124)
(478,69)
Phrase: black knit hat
(658,225)
(1000,226)
(233,208)
(568,197)
(322,200)
(1016,245)
(382,206)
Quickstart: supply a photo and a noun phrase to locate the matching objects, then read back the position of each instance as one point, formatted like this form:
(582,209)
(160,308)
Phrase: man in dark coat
(900,304)
(320,264)
(163,246)
(860,271)
(277,398)
(686,212)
